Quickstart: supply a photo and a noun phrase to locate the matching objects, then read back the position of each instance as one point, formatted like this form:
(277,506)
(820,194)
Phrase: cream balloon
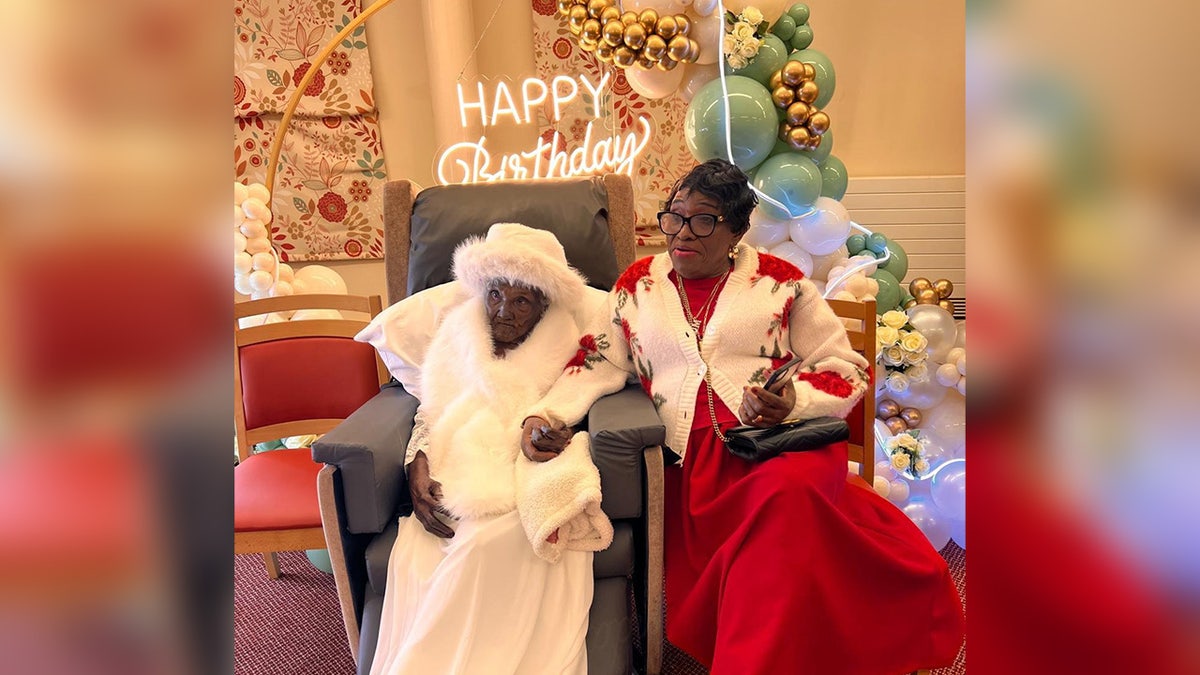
(709,31)
(263,261)
(260,281)
(281,288)
(955,354)
(240,193)
(241,284)
(937,325)
(239,242)
(321,279)
(857,284)
(654,83)
(823,263)
(792,253)
(239,215)
(243,263)
(257,245)
(695,76)
(258,191)
(884,470)
(946,423)
(309,314)
(286,273)
(947,375)
(865,264)
(898,495)
(823,230)
(961,387)
(960,339)
(704,7)
(764,232)
(256,210)
(882,486)
(921,394)
(961,363)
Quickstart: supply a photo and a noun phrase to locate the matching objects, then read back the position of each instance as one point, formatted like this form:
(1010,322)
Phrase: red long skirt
(785,567)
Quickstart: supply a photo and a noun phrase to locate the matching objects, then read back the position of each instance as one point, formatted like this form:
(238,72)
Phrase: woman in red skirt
(779,566)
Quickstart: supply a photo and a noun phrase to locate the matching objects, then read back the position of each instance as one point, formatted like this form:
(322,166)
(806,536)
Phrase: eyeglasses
(702,224)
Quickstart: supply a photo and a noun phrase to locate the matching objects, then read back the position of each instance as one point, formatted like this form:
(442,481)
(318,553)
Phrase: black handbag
(755,444)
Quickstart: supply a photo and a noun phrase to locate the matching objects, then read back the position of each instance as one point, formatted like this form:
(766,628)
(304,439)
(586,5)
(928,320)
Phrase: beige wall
(898,109)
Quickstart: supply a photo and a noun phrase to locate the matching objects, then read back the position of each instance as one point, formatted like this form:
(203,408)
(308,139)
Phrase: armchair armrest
(368,449)
(621,425)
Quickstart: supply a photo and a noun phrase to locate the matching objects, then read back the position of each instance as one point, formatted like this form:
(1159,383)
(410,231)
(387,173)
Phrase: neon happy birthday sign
(600,152)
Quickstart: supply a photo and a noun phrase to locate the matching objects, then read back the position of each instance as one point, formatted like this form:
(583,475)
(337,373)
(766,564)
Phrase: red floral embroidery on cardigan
(645,383)
(626,330)
(588,353)
(634,273)
(778,269)
(781,319)
(830,383)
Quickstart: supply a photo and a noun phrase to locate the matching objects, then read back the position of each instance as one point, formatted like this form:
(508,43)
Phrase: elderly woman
(489,575)
(779,566)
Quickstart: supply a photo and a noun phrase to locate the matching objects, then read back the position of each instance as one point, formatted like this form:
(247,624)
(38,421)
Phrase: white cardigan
(766,314)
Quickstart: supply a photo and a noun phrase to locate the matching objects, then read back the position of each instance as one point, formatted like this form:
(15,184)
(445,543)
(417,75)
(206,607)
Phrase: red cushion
(306,378)
(276,490)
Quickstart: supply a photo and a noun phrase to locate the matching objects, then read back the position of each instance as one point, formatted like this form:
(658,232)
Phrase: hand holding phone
(782,373)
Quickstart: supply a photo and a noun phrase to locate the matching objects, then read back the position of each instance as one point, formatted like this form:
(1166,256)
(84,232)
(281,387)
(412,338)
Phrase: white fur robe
(496,598)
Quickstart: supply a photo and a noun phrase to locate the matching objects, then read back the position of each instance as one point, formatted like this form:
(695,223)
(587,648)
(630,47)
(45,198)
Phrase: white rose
(897,382)
(749,47)
(900,461)
(915,358)
(908,442)
(742,31)
(914,342)
(893,356)
(752,16)
(918,373)
(894,318)
(737,62)
(887,336)
(728,44)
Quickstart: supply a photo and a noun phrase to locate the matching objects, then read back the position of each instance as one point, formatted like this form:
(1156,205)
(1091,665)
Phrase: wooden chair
(862,418)
(293,378)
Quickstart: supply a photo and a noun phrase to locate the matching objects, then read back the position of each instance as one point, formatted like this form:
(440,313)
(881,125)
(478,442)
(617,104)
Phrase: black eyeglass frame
(687,221)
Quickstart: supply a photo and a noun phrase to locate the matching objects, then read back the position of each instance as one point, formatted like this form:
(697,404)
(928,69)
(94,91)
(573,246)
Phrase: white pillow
(402,332)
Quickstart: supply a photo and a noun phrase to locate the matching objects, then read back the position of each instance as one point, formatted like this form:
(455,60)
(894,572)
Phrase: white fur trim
(521,254)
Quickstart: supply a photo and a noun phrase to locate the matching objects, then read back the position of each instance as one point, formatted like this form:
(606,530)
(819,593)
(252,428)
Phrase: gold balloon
(784,128)
(909,304)
(592,30)
(944,288)
(809,71)
(679,47)
(792,73)
(912,417)
(655,48)
(684,23)
(644,63)
(623,57)
(807,91)
(576,17)
(693,54)
(587,44)
(783,97)
(814,143)
(610,13)
(649,19)
(886,407)
(614,33)
(595,7)
(604,51)
(667,27)
(797,113)
(629,18)
(896,425)
(776,80)
(926,296)
(818,122)
(635,36)
(564,6)
(947,305)
(917,285)
(798,137)
(667,64)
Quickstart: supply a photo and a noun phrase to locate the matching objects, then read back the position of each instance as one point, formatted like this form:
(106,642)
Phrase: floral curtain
(328,194)
(664,160)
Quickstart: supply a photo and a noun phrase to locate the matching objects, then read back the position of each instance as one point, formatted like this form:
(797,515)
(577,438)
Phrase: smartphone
(784,371)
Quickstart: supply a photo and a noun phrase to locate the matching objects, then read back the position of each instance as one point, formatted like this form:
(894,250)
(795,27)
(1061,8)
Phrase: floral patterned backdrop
(328,194)
(664,160)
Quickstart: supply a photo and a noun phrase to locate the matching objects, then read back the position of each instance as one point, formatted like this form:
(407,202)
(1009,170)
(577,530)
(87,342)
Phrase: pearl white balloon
(949,489)
(872,286)
(946,423)
(241,284)
(947,375)
(239,216)
(240,193)
(704,7)
(961,386)
(654,83)
(937,325)
(321,279)
(792,253)
(708,29)
(920,395)
(898,494)
(882,486)
(836,272)
(256,210)
(307,314)
(258,191)
(845,295)
(300,286)
(281,288)
(695,76)
(958,532)
(239,242)
(955,354)
(962,365)
(823,263)
(257,245)
(261,281)
(764,231)
(242,263)
(253,228)
(934,525)
(823,230)
(960,339)
(264,261)
(286,273)
(864,263)
(857,284)
(884,468)
(260,295)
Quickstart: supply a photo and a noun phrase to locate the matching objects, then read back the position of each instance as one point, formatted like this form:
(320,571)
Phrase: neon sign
(599,152)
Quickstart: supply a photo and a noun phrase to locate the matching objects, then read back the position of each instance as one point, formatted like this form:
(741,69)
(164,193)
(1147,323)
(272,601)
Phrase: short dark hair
(726,183)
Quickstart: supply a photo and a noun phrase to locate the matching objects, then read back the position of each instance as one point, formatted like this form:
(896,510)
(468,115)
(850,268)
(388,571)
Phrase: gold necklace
(695,324)
(694,319)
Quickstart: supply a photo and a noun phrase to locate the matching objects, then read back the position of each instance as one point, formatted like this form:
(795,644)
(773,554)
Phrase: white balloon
(300,287)
(307,314)
(764,231)
(263,261)
(857,284)
(958,532)
(240,193)
(708,28)
(241,284)
(845,295)
(823,263)
(286,273)
(792,253)
(704,7)
(239,242)
(257,245)
(836,272)
(937,325)
(281,288)
(934,525)
(921,395)
(898,494)
(882,486)
(949,489)
(261,281)
(960,339)
(239,216)
(260,295)
(954,354)
(946,423)
(242,263)
(962,365)
(865,264)
(257,210)
(823,230)
(321,279)
(258,191)
(654,83)
(947,375)
(873,286)
(697,75)
(961,386)
(253,228)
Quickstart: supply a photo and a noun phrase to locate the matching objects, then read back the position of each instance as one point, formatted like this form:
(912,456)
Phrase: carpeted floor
(293,626)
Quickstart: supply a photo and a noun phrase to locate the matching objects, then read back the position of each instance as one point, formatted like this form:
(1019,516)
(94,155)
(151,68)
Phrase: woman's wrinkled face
(699,257)
(512,311)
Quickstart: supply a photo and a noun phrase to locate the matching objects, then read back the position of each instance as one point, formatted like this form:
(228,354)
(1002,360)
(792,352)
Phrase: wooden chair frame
(862,341)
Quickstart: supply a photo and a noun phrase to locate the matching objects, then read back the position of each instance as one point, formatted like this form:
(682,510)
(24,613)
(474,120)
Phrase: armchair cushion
(368,450)
(621,426)
(275,490)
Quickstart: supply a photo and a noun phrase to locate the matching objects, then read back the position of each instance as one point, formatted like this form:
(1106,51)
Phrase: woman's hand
(426,496)
(762,408)
(540,441)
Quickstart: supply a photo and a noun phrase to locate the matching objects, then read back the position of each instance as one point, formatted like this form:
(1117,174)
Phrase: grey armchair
(362,487)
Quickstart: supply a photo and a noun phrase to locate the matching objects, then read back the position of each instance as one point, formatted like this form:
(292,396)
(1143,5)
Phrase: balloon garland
(628,39)
(794,90)
(925,292)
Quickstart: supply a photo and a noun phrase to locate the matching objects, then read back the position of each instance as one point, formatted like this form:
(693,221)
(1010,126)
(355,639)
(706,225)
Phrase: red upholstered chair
(293,378)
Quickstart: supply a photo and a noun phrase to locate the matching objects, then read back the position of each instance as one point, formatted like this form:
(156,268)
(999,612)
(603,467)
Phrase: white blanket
(563,495)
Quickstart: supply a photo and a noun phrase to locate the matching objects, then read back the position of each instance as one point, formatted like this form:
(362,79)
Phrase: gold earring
(734,250)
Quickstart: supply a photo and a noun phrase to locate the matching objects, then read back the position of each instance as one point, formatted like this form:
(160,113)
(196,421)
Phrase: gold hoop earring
(734,250)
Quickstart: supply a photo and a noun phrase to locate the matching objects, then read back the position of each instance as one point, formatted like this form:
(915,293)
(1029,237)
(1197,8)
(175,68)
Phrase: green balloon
(822,152)
(269,445)
(802,37)
(772,54)
(319,557)
(780,148)
(833,178)
(888,296)
(855,243)
(791,179)
(799,13)
(826,79)
(877,242)
(898,263)
(784,27)
(752,122)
